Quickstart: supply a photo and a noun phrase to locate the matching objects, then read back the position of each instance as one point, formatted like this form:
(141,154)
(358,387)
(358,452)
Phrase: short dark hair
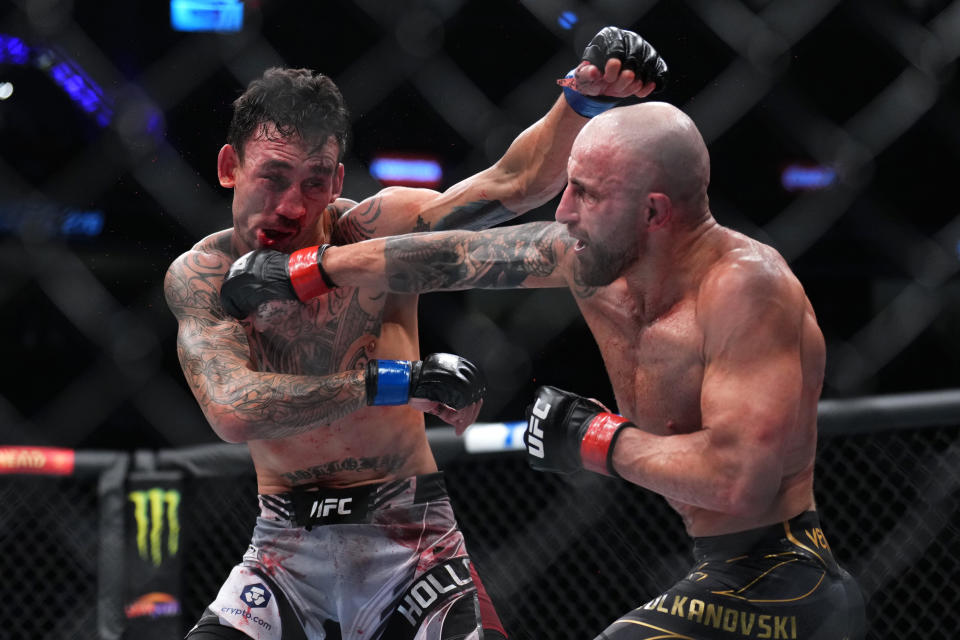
(298,102)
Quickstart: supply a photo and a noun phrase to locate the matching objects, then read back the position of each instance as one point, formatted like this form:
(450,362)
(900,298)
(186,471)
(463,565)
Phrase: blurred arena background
(834,130)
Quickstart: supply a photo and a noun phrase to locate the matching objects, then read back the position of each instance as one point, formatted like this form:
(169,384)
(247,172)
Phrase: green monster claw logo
(148,510)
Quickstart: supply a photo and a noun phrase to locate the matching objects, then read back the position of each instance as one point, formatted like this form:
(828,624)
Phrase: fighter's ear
(659,210)
(227,163)
(338,181)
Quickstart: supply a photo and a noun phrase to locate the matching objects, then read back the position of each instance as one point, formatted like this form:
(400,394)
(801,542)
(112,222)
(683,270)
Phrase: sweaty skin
(304,417)
(289,379)
(711,345)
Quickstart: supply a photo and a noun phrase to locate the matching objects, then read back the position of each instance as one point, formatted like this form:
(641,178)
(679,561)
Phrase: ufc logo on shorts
(534,432)
(322,508)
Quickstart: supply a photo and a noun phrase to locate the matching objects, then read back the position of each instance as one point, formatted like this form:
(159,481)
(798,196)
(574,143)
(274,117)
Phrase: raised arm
(616,64)
(533,255)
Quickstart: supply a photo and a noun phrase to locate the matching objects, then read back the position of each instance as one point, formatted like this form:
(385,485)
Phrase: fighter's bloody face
(601,213)
(280,190)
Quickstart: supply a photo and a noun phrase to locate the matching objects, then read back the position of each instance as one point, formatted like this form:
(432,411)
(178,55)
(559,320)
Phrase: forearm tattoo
(281,405)
(494,259)
(480,214)
(216,359)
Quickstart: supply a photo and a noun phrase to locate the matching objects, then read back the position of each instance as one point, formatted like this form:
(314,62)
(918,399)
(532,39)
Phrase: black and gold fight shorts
(780,581)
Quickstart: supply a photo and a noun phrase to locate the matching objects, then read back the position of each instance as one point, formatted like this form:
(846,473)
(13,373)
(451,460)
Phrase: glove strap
(596,447)
(587,106)
(307,276)
(388,382)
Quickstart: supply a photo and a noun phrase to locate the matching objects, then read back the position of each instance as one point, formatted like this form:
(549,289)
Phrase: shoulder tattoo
(360,223)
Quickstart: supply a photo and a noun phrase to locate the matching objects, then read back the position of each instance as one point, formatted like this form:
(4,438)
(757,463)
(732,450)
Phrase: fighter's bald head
(658,146)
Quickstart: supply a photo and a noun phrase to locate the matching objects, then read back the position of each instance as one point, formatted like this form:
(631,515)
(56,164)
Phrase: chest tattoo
(318,338)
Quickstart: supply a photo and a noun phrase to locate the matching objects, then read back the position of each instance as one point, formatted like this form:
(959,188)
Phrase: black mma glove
(566,432)
(264,274)
(442,377)
(634,53)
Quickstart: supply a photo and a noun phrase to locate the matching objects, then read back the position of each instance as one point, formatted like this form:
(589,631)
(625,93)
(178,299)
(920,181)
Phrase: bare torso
(337,332)
(656,366)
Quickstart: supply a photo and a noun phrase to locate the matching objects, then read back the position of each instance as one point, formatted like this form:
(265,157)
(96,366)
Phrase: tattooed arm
(533,255)
(531,171)
(533,168)
(241,403)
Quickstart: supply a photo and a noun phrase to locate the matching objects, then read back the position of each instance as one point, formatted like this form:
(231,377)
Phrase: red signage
(41,460)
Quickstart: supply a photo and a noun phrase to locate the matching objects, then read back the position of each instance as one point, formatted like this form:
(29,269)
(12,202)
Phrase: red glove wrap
(306,278)
(596,446)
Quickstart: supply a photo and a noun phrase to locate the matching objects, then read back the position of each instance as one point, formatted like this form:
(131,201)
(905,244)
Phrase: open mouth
(579,244)
(272,237)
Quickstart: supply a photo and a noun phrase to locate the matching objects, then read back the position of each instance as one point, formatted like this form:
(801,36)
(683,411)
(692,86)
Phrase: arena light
(407,170)
(206,15)
(82,90)
(486,437)
(13,50)
(807,178)
(68,75)
(28,219)
(567,19)
(82,223)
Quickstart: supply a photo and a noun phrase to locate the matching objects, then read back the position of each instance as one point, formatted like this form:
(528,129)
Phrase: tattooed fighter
(716,361)
(356,535)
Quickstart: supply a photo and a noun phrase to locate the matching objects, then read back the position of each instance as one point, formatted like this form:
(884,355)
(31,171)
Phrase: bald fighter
(716,361)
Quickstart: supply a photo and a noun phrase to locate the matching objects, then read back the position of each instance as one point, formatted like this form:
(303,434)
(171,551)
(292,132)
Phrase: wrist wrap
(307,276)
(587,106)
(388,382)
(596,446)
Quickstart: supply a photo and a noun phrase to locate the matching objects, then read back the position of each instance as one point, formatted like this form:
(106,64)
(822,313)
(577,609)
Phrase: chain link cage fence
(562,556)
(832,127)
(49,536)
(864,88)
(59,536)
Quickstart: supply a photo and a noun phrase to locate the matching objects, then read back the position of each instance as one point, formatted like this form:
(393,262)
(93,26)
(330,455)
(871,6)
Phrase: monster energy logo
(151,508)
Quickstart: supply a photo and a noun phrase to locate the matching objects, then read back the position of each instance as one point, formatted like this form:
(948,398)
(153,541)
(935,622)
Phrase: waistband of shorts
(313,505)
(801,533)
